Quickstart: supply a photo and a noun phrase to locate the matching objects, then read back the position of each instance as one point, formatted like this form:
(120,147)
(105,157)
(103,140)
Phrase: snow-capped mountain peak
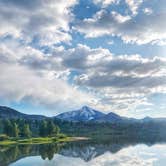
(84,114)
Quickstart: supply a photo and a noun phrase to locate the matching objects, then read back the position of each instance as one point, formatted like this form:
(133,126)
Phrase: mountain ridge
(85,114)
(10,113)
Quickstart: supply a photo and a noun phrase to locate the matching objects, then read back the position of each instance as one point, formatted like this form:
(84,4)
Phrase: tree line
(26,129)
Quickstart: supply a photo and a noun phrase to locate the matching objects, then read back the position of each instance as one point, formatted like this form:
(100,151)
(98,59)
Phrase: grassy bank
(37,140)
(41,140)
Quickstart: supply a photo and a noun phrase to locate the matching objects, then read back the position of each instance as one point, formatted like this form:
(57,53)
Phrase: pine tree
(50,128)
(15,130)
(26,131)
(57,130)
(43,129)
(8,128)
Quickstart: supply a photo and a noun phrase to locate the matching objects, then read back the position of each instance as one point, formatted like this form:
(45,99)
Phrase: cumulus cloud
(103,62)
(105,3)
(139,29)
(28,75)
(147,11)
(44,21)
(110,82)
(54,76)
(18,83)
(122,82)
(134,5)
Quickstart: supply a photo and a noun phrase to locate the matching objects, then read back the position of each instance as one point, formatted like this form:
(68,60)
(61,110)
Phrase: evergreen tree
(26,131)
(50,128)
(43,129)
(57,130)
(15,130)
(8,128)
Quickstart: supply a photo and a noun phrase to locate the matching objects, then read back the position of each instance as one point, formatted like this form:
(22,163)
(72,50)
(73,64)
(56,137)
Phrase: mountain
(88,114)
(9,113)
(110,117)
(83,114)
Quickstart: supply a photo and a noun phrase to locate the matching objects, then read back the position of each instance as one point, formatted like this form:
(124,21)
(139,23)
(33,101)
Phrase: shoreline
(41,140)
(80,138)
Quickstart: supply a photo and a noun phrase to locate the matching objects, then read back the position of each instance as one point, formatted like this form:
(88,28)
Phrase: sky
(56,56)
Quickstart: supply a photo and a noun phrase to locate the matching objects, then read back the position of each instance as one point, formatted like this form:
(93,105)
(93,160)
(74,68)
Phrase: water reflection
(112,151)
(14,153)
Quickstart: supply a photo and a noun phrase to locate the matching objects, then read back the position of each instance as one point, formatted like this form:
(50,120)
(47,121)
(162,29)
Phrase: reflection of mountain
(89,151)
(86,150)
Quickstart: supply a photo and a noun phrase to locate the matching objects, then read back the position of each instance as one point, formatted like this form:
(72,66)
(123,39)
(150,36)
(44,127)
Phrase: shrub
(3,137)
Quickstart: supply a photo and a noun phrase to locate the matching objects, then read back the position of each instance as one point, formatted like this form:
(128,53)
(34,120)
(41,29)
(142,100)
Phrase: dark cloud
(126,82)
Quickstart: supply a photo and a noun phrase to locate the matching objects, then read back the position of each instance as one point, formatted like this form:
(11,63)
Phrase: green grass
(7,142)
(38,140)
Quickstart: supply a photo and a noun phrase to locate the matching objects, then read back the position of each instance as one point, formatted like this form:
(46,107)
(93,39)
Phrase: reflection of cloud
(139,155)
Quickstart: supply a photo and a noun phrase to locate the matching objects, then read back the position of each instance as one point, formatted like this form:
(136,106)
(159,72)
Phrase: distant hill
(9,113)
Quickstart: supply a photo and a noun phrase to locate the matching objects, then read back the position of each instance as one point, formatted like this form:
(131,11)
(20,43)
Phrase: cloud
(122,81)
(104,3)
(32,54)
(44,21)
(26,74)
(119,83)
(102,80)
(18,83)
(134,5)
(103,62)
(125,157)
(147,11)
(139,29)
(82,57)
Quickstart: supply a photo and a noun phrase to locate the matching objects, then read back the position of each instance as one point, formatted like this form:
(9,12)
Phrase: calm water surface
(87,153)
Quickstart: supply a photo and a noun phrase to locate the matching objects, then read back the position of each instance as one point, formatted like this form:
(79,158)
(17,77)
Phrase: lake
(117,152)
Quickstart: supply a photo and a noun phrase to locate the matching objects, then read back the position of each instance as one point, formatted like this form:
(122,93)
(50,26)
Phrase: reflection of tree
(11,154)
(85,150)
(48,151)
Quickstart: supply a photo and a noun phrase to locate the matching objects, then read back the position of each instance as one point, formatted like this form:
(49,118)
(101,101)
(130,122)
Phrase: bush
(55,139)
(61,136)
(3,137)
